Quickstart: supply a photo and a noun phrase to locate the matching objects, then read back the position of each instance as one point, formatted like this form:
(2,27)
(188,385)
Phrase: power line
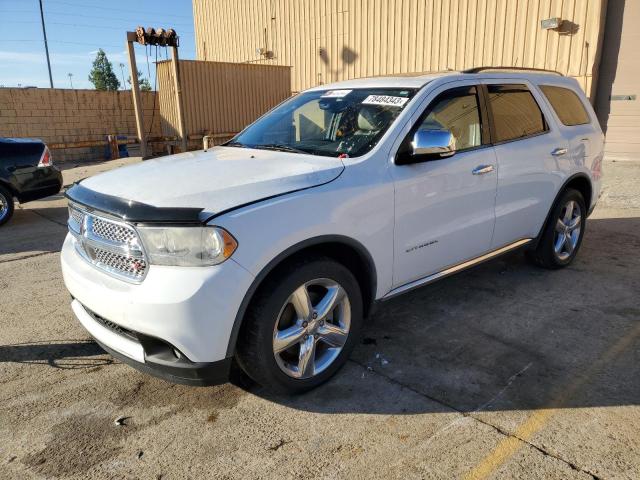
(100,18)
(82,25)
(115,18)
(17,11)
(119,10)
(61,41)
(16,40)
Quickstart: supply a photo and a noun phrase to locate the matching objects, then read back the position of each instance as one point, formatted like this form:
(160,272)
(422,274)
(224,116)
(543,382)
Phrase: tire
(6,205)
(326,335)
(563,233)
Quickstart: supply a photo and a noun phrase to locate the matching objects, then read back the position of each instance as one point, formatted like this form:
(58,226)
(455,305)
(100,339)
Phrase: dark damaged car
(26,173)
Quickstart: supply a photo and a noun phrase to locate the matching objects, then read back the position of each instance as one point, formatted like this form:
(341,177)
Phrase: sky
(76,29)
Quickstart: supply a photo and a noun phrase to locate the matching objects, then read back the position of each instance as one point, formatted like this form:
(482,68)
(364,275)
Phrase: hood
(216,180)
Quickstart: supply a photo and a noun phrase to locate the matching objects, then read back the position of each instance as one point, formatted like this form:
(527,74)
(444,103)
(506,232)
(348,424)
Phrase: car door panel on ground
(529,148)
(444,211)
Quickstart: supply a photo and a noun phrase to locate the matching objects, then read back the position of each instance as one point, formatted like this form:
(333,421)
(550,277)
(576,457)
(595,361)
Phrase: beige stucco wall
(62,116)
(329,40)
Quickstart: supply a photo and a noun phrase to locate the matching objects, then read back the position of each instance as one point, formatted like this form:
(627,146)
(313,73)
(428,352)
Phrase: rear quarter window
(515,112)
(566,104)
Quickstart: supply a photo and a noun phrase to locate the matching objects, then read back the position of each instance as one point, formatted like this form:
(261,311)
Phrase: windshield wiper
(279,147)
(234,143)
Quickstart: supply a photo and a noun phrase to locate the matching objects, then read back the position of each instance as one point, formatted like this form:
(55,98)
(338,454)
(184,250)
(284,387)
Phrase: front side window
(515,112)
(457,111)
(566,104)
(328,123)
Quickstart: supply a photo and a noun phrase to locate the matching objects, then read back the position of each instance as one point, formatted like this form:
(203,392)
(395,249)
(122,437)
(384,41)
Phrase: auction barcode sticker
(336,93)
(388,100)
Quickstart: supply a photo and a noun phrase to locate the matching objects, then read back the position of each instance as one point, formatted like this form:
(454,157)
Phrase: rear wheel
(302,326)
(6,205)
(563,234)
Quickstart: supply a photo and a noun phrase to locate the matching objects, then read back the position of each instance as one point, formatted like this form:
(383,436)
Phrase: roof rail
(482,69)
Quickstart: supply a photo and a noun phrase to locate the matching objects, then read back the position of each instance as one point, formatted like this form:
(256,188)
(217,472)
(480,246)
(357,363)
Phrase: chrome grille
(118,263)
(108,244)
(114,232)
(76,215)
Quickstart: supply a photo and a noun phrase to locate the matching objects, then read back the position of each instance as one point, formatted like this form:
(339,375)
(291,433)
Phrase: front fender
(351,213)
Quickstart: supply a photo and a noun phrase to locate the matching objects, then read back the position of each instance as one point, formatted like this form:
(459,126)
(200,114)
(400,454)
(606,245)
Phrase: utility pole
(46,47)
(178,90)
(124,85)
(135,92)
(70,81)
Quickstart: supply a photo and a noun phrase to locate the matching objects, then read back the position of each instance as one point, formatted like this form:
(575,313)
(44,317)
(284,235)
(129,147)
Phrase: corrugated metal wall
(219,97)
(329,40)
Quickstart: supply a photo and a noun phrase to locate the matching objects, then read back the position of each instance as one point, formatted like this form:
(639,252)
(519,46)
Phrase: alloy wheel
(312,328)
(4,206)
(567,231)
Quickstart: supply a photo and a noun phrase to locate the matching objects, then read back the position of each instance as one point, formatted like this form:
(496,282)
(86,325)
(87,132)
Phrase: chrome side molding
(454,269)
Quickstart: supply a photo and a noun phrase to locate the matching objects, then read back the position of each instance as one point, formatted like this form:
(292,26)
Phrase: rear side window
(567,105)
(515,112)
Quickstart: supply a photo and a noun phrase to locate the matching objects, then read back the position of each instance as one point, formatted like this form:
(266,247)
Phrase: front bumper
(150,355)
(190,309)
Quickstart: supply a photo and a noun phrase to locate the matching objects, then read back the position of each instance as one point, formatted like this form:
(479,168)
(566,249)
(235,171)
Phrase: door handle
(558,151)
(482,169)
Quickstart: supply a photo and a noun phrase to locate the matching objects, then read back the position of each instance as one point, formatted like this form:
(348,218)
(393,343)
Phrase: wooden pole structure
(135,91)
(178,90)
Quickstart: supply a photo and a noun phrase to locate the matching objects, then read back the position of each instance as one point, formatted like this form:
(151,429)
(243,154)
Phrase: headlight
(187,246)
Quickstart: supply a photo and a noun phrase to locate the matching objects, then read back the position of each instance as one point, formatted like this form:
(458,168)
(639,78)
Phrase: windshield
(328,123)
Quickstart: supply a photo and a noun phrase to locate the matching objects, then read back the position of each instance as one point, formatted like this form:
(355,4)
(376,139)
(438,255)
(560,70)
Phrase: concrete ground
(504,371)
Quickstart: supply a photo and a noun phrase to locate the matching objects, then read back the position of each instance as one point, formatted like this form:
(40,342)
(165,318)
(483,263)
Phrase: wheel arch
(10,188)
(578,181)
(343,249)
(582,183)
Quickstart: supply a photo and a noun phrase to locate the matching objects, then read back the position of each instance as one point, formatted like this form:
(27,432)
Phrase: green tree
(102,75)
(145,86)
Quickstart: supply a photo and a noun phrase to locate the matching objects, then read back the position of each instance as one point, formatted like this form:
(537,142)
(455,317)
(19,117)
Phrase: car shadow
(58,354)
(33,230)
(503,336)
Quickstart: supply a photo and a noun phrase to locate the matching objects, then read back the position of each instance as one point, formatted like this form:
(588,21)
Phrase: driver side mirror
(428,144)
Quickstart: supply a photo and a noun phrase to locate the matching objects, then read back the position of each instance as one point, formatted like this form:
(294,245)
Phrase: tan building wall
(329,40)
(62,116)
(219,98)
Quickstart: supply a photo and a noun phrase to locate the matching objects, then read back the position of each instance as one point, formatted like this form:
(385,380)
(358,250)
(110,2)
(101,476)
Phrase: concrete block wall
(62,115)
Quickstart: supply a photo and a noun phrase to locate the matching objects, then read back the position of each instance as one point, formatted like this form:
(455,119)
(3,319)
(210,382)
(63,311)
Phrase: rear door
(529,148)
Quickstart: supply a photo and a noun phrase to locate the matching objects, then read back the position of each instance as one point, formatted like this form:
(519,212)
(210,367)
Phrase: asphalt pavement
(503,371)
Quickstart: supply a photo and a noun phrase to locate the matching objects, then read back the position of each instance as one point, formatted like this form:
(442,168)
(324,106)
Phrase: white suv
(271,249)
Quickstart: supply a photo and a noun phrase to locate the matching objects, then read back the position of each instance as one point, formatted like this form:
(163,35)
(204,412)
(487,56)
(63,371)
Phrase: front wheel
(302,326)
(562,236)
(6,205)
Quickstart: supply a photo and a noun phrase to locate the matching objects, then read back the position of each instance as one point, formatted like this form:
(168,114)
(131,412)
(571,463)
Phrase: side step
(454,269)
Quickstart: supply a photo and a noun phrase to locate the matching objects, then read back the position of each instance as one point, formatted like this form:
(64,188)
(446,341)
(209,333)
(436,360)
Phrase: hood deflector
(131,210)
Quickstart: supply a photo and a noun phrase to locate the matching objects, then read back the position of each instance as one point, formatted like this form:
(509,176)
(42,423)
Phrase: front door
(444,208)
